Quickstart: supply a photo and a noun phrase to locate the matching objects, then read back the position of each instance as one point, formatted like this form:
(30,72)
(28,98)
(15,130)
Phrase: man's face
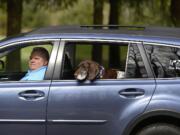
(36,62)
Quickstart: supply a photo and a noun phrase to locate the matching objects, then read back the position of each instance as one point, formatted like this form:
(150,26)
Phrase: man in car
(37,64)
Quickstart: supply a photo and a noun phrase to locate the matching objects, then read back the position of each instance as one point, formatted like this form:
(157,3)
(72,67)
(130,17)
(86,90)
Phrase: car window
(8,68)
(123,57)
(165,60)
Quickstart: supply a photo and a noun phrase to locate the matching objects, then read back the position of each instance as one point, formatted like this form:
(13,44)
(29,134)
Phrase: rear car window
(165,60)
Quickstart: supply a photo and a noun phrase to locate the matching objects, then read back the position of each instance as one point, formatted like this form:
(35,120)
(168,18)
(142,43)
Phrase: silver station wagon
(145,101)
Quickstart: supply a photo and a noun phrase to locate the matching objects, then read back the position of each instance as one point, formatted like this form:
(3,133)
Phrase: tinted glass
(135,64)
(165,60)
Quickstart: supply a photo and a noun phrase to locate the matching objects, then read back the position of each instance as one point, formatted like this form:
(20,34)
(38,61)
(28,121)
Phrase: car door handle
(132,92)
(31,94)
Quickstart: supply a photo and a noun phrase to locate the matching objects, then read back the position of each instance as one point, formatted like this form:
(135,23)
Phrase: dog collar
(101,72)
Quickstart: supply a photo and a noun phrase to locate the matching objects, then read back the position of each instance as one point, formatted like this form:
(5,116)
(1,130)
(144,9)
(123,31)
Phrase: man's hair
(42,52)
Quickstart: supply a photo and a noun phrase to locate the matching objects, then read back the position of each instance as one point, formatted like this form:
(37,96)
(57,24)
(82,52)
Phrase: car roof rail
(114,27)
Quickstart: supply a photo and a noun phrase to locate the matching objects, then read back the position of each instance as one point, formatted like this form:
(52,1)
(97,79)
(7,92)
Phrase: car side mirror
(2,65)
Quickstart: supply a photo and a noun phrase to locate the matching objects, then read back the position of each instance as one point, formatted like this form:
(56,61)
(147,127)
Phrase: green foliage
(2,4)
(55,4)
(39,13)
(79,13)
(2,22)
(143,12)
(1,37)
(33,17)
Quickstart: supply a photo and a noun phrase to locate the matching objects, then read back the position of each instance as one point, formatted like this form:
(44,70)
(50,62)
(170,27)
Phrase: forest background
(23,15)
(17,16)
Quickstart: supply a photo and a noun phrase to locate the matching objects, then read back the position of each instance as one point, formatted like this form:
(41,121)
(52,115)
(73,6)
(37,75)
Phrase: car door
(165,62)
(23,103)
(100,107)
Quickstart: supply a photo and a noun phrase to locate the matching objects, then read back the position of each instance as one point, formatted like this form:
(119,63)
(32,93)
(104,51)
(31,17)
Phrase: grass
(1,37)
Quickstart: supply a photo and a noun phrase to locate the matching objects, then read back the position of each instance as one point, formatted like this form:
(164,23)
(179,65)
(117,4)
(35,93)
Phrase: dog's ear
(93,72)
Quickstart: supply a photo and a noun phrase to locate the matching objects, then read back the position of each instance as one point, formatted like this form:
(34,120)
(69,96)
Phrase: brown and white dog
(91,70)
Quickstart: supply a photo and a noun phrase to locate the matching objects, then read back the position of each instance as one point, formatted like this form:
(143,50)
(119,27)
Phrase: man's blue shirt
(37,74)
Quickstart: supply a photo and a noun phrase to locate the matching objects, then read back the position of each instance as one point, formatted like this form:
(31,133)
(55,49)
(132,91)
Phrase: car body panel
(72,104)
(166,96)
(149,39)
(19,115)
(101,107)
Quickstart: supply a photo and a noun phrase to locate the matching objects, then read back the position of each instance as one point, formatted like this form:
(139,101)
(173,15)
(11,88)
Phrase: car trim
(57,73)
(52,62)
(68,83)
(172,78)
(159,44)
(59,61)
(27,41)
(101,40)
(106,80)
(79,121)
(145,60)
(22,120)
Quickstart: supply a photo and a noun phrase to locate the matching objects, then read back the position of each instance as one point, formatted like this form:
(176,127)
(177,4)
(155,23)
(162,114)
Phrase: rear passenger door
(104,106)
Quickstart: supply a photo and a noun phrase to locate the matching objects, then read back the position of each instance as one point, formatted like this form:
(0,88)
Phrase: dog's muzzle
(82,75)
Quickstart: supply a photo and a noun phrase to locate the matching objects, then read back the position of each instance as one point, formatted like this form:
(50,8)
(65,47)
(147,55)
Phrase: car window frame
(21,44)
(58,67)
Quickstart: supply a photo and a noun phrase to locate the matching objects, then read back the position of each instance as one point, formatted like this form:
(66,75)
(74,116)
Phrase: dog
(91,70)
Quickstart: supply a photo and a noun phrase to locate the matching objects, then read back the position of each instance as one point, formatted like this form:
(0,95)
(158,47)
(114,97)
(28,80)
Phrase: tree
(114,51)
(174,9)
(2,18)
(14,16)
(97,20)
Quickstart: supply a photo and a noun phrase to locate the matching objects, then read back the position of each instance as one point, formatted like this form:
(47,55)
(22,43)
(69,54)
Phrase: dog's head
(87,70)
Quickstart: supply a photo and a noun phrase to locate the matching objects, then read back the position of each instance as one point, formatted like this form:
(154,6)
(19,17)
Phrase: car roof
(167,35)
(109,29)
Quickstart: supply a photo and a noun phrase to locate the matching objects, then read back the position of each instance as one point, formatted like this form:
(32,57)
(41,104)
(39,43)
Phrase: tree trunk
(14,16)
(114,51)
(175,10)
(98,12)
(97,19)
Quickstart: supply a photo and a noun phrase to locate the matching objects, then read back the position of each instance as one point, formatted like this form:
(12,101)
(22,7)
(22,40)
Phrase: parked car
(145,102)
